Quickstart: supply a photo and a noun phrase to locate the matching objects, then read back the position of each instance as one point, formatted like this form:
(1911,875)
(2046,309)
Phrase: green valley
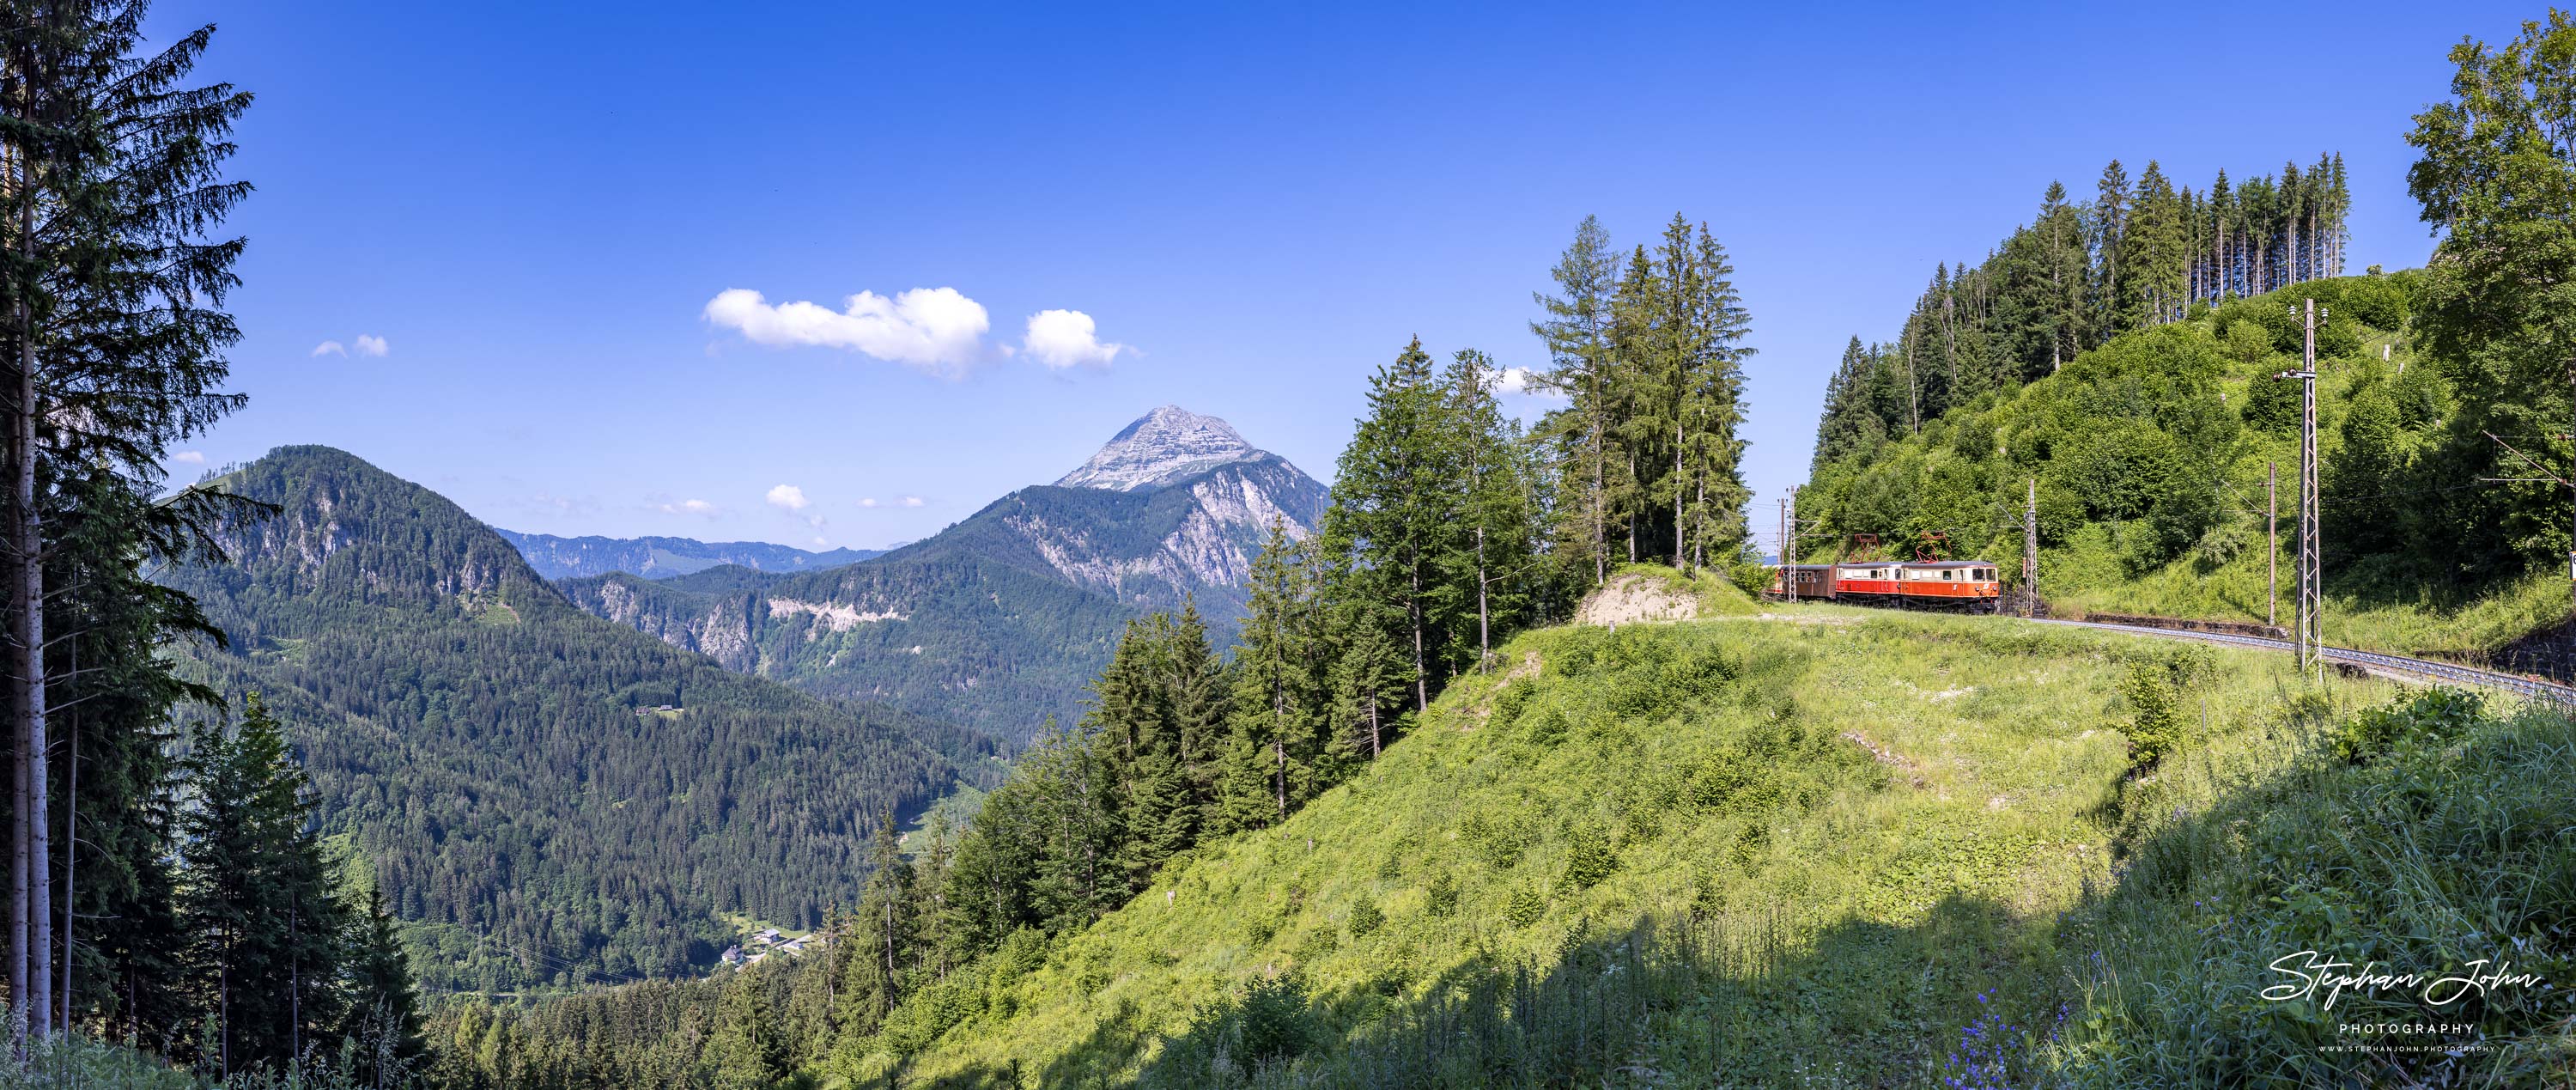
(497,757)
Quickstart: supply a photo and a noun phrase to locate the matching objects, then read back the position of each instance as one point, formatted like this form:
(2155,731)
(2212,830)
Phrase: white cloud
(1067,338)
(689,507)
(867,501)
(190,457)
(1523,381)
(367,345)
(328,348)
(788,497)
(934,329)
(912,501)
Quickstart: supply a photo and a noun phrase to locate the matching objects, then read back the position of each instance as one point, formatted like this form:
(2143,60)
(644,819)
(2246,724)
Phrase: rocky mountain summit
(1161,448)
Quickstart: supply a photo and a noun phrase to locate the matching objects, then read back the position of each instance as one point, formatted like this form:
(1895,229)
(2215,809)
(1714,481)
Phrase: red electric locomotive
(1922,583)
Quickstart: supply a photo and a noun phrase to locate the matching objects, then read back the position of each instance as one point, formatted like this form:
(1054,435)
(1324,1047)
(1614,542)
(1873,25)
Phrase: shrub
(1366,918)
(1272,1023)
(1546,728)
(1589,859)
(2155,724)
(1442,896)
(1750,577)
(1731,782)
(1509,703)
(2433,717)
(1525,906)
(1500,845)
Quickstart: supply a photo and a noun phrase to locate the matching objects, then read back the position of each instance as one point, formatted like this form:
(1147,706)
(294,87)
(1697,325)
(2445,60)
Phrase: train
(1971,586)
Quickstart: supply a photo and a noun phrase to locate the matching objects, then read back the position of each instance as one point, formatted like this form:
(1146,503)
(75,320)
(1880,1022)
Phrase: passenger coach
(1971,585)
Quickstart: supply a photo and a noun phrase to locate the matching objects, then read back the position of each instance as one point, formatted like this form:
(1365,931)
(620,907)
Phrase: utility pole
(2310,569)
(2272,531)
(2030,550)
(1788,575)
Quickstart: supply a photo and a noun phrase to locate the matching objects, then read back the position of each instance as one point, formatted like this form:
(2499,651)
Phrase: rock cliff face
(1000,620)
(1161,448)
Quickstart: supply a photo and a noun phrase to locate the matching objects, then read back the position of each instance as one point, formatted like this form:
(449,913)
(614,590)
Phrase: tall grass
(1790,852)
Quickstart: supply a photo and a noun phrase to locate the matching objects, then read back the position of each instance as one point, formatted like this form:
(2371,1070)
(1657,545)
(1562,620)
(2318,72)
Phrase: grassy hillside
(2151,456)
(1819,849)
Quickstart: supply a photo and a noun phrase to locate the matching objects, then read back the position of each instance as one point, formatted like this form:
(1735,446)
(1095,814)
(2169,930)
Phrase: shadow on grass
(2444,845)
(1685,1001)
(1094,1063)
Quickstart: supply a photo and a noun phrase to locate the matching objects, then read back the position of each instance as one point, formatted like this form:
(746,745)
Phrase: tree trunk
(1600,494)
(1484,619)
(29,546)
(1421,676)
(71,848)
(1677,485)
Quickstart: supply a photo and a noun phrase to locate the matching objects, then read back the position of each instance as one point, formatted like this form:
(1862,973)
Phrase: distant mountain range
(1001,620)
(665,557)
(552,798)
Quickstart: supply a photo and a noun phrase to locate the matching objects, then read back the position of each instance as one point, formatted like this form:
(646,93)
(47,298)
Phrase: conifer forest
(1507,750)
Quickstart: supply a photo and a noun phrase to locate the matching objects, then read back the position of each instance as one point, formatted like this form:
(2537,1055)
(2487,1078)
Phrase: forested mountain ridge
(2157,458)
(2134,255)
(664,557)
(999,620)
(551,798)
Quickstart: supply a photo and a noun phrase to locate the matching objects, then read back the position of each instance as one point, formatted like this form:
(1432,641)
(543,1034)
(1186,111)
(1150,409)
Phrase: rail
(2535,688)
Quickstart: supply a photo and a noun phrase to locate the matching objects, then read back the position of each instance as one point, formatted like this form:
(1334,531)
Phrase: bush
(1509,703)
(2433,717)
(1442,896)
(2155,724)
(1271,1023)
(1500,845)
(2377,302)
(1366,918)
(1750,577)
(1588,860)
(1525,906)
(1731,782)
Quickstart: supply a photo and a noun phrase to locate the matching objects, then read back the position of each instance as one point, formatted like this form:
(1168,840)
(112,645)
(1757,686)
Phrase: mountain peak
(1159,448)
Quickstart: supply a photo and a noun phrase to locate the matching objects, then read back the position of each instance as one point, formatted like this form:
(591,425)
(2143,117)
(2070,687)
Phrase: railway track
(2561,695)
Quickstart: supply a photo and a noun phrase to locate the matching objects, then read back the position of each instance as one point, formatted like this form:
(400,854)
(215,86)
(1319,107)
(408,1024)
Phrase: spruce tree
(259,898)
(883,939)
(2111,209)
(1576,330)
(110,311)
(748,1051)
(383,1012)
(1395,512)
(1273,674)
(1712,408)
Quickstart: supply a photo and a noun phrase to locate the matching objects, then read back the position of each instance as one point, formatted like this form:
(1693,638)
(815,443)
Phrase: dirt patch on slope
(1888,757)
(1634,599)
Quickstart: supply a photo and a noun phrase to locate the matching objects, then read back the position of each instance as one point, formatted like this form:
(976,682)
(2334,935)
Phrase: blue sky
(530,209)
